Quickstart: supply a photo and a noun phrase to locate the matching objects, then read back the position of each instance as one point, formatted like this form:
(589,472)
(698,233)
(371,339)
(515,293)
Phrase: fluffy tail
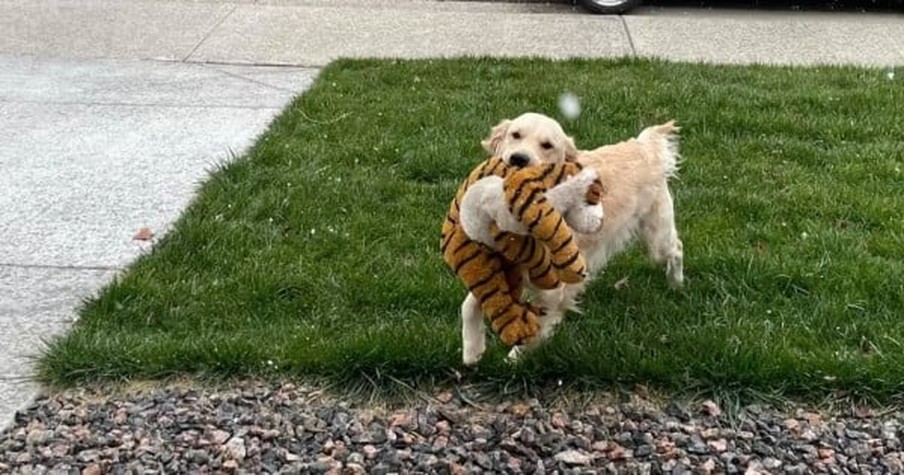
(662,142)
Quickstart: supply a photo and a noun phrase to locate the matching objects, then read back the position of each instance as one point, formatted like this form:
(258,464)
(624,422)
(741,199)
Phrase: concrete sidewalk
(111,111)
(313,32)
(90,152)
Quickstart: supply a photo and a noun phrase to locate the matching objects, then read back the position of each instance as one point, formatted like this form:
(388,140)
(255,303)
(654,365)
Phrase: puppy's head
(529,140)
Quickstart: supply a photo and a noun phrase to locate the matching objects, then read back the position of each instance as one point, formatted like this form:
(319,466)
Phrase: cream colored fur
(637,204)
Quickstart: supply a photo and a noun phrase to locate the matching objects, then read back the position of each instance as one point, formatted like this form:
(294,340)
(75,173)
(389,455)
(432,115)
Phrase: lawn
(316,254)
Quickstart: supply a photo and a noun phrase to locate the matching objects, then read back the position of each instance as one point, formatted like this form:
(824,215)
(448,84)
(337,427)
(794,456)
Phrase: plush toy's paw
(587,219)
(548,281)
(521,332)
(594,193)
(570,277)
(574,272)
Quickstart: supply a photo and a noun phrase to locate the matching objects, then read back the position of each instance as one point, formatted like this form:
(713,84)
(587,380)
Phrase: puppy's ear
(571,151)
(491,143)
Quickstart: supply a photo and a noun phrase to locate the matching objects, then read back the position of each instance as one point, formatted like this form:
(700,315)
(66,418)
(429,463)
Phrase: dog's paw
(472,352)
(675,279)
(515,355)
(472,357)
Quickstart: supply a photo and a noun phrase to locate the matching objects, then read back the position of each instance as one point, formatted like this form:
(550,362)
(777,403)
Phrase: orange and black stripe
(524,189)
(487,274)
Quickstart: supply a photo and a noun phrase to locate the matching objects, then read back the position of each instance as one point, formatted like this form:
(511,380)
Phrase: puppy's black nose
(519,160)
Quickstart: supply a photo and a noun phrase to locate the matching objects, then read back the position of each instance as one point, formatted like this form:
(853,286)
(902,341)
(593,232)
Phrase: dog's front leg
(473,331)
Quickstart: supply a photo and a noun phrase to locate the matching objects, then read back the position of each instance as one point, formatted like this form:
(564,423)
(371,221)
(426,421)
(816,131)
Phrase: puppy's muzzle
(519,160)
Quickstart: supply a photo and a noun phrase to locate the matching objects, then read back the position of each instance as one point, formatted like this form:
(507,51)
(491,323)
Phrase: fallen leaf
(143,234)
(623,282)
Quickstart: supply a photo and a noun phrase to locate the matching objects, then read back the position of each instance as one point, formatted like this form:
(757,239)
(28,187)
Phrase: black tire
(610,7)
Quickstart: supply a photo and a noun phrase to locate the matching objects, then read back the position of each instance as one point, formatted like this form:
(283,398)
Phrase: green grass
(316,254)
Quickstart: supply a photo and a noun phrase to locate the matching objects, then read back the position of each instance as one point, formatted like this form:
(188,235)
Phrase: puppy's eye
(516,135)
(546,145)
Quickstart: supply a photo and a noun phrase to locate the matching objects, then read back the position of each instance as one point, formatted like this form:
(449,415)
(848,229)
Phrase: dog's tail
(662,142)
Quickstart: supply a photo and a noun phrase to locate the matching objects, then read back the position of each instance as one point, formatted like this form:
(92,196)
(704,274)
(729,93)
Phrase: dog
(637,204)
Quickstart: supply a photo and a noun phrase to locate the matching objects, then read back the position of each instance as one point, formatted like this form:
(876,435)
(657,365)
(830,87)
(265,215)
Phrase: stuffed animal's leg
(482,271)
(487,220)
(528,253)
(524,195)
(473,331)
(556,303)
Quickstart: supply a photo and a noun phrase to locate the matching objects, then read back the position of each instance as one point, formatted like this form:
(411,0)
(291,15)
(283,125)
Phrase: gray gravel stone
(256,427)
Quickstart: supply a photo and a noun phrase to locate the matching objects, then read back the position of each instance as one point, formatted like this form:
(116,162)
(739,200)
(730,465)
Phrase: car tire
(610,7)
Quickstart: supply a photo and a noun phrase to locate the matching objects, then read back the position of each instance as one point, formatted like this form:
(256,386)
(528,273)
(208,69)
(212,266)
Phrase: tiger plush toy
(505,224)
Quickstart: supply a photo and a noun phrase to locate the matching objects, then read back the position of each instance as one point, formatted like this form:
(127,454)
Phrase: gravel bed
(256,427)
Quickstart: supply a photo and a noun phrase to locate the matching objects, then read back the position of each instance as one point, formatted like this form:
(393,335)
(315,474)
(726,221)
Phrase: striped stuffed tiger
(524,194)
(493,265)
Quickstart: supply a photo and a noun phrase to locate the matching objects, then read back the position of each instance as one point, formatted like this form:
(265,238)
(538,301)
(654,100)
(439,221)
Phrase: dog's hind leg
(473,331)
(660,235)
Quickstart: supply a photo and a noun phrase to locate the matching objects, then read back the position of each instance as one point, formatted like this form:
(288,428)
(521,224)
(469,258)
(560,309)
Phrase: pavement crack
(628,35)
(247,79)
(17,379)
(210,32)
(149,104)
(255,63)
(58,267)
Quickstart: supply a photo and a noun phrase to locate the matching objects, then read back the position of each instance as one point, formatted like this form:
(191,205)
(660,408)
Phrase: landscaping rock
(256,427)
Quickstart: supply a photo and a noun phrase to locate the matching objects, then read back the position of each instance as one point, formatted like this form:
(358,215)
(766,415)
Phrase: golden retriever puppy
(530,139)
(637,204)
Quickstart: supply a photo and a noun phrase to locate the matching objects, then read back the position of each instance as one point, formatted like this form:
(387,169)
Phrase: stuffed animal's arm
(571,198)
(484,203)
